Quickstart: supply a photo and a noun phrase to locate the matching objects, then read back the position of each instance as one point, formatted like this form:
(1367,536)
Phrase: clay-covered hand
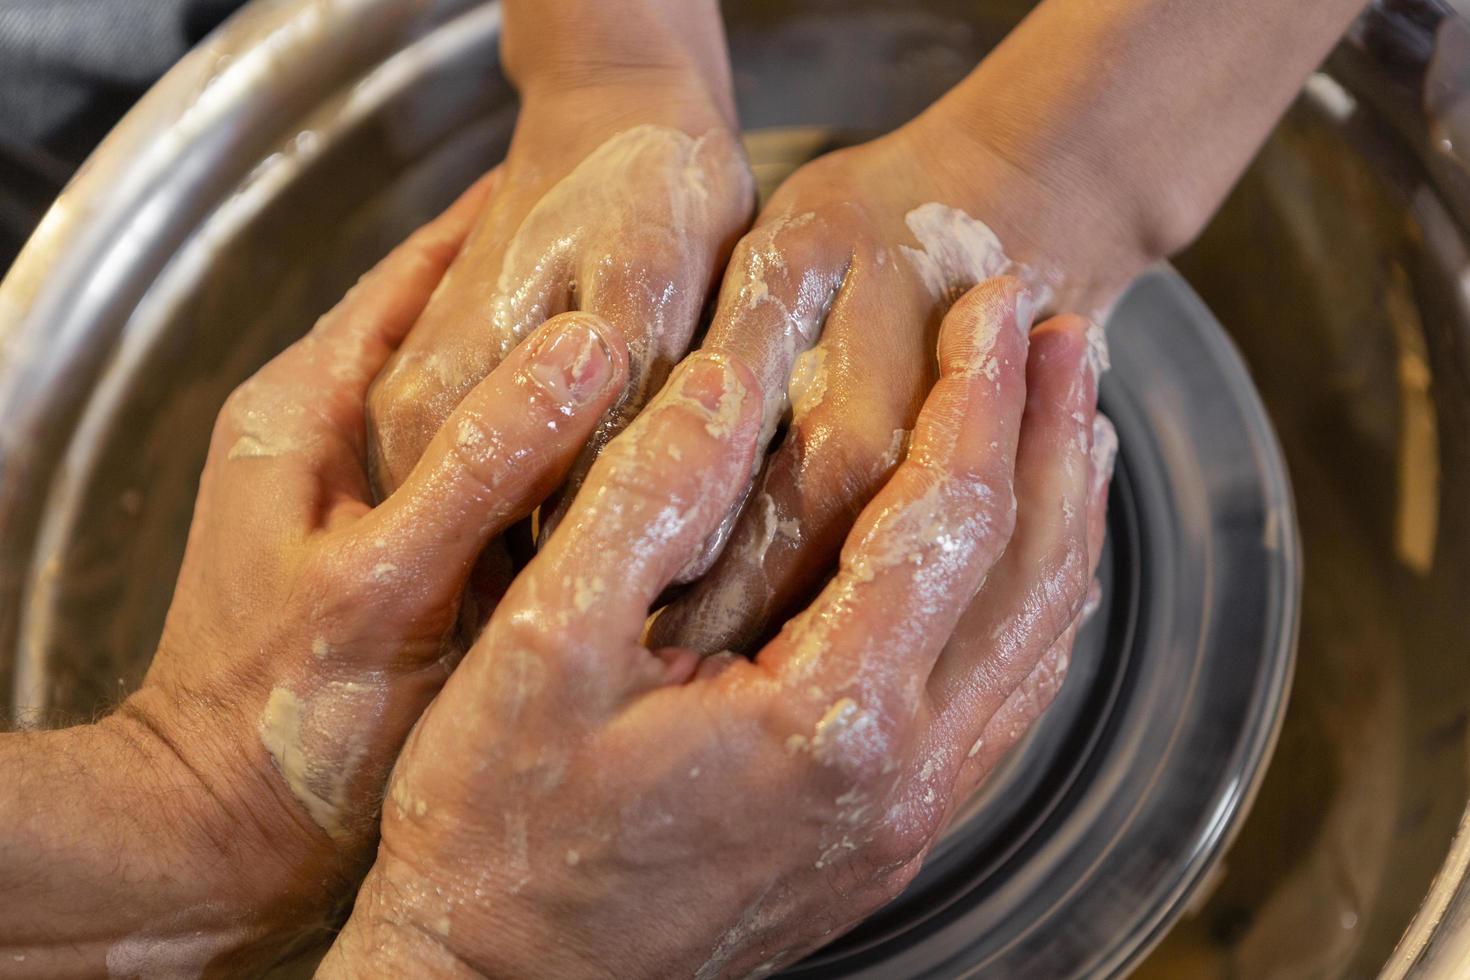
(575,803)
(623,192)
(835,298)
(308,629)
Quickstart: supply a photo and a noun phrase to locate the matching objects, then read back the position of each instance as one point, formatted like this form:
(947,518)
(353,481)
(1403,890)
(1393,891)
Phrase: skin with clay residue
(592,764)
(812,471)
(316,767)
(630,232)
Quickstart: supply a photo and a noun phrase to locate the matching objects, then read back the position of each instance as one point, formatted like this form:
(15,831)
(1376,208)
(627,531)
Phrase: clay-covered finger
(1041,583)
(1022,708)
(650,214)
(504,448)
(651,285)
(772,307)
(648,502)
(853,399)
(921,549)
(305,408)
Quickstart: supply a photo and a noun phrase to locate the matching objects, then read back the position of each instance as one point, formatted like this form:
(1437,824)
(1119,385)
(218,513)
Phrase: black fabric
(69,69)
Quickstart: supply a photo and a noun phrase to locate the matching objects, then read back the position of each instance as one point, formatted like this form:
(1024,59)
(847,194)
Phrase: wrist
(232,834)
(1085,234)
(380,940)
(105,865)
(667,48)
(415,918)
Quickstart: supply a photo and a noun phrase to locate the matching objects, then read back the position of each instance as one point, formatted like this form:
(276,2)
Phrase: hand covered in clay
(834,298)
(575,803)
(308,630)
(624,189)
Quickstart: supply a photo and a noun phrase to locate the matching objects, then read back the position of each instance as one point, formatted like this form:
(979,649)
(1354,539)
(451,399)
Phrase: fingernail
(574,364)
(706,380)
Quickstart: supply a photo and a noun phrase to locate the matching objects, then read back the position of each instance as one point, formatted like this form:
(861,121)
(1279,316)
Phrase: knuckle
(1063,589)
(650,251)
(838,748)
(385,400)
(898,844)
(630,476)
(1047,680)
(240,403)
(402,411)
(334,579)
(979,499)
(474,453)
(430,249)
(1075,576)
(784,721)
(893,884)
(1001,513)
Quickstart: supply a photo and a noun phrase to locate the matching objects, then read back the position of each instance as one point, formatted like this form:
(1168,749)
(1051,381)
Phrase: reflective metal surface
(261,177)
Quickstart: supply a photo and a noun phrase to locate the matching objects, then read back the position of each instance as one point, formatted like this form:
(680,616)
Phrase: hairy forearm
(1153,106)
(79,853)
(112,862)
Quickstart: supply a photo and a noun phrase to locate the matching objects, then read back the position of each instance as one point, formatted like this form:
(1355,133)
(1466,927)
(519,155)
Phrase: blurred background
(69,69)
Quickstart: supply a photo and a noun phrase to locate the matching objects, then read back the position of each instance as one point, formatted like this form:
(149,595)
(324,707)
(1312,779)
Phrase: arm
(102,856)
(1096,140)
(1140,114)
(675,48)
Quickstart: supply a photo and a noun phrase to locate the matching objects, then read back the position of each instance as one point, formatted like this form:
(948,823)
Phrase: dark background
(69,69)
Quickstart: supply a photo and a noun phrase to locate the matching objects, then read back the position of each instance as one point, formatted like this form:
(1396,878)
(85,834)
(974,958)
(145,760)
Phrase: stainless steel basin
(264,174)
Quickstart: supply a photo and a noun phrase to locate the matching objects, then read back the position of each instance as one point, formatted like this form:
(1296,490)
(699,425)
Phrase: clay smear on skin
(955,250)
(808,385)
(591,203)
(932,534)
(317,745)
(797,300)
(1098,358)
(266,423)
(602,258)
(545,253)
(644,445)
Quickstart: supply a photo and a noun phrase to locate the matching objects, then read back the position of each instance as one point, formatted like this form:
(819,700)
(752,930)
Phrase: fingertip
(577,360)
(1071,325)
(1057,373)
(991,318)
(722,389)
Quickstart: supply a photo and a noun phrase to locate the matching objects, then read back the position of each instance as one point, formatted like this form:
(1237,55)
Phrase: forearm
(112,862)
(1153,107)
(559,45)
